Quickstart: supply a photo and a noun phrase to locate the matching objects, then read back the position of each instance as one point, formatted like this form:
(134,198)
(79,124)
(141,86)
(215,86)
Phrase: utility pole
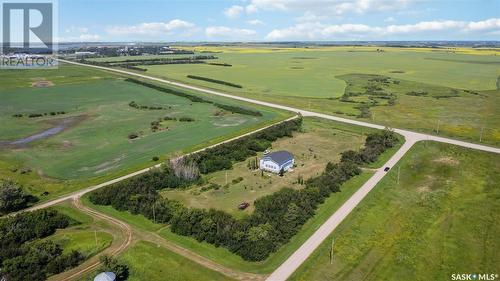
(331,251)
(154,214)
(481,135)
(399,170)
(95,236)
(439,123)
(226,177)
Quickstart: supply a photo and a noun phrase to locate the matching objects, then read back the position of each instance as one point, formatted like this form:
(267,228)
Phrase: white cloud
(320,31)
(255,22)
(486,25)
(90,37)
(234,11)
(225,32)
(327,7)
(389,19)
(76,29)
(85,37)
(151,28)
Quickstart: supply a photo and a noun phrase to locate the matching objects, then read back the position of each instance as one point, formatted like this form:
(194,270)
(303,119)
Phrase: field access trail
(300,255)
(121,241)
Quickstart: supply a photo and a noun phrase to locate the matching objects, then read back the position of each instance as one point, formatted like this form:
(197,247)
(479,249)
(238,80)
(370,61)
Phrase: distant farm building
(276,162)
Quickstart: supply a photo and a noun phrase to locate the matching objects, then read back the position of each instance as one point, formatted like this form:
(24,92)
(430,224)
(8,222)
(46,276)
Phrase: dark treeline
(221,64)
(36,115)
(133,63)
(277,217)
(375,145)
(193,98)
(24,256)
(150,107)
(13,198)
(222,156)
(135,68)
(214,81)
(165,59)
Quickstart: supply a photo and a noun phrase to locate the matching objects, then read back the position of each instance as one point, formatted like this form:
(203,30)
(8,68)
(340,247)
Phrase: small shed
(105,276)
(277,161)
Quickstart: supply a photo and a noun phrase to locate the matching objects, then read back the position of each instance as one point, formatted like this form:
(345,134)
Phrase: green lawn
(313,79)
(439,220)
(148,261)
(336,131)
(96,147)
(85,235)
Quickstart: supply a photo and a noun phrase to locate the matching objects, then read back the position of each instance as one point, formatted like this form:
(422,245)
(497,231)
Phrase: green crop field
(317,78)
(94,142)
(439,220)
(332,138)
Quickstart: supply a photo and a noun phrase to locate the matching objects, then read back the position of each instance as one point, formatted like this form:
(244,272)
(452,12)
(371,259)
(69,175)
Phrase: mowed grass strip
(148,261)
(439,220)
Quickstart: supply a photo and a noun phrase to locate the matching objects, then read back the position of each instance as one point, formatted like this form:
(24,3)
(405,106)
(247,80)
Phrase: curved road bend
(299,256)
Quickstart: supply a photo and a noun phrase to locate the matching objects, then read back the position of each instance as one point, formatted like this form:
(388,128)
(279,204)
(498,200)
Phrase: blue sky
(278,20)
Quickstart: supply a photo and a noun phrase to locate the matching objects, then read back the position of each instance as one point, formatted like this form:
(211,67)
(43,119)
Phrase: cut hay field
(441,219)
(90,142)
(314,79)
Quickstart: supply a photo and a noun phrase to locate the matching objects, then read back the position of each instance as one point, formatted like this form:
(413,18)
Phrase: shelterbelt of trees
(277,217)
(24,256)
(206,79)
(193,98)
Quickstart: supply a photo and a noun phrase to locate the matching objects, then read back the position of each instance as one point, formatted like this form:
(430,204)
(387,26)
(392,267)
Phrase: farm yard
(82,130)
(318,143)
(439,220)
(318,78)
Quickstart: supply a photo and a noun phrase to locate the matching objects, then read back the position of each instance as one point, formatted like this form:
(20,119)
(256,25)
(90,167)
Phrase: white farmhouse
(276,161)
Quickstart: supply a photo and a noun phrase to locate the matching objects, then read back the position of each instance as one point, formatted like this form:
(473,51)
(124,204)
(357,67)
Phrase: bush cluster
(13,198)
(24,256)
(150,107)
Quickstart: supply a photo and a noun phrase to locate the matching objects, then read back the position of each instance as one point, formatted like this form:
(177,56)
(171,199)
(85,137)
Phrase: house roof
(105,276)
(280,157)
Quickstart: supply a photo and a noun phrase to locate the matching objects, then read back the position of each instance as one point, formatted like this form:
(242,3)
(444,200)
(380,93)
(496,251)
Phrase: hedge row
(215,81)
(193,98)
